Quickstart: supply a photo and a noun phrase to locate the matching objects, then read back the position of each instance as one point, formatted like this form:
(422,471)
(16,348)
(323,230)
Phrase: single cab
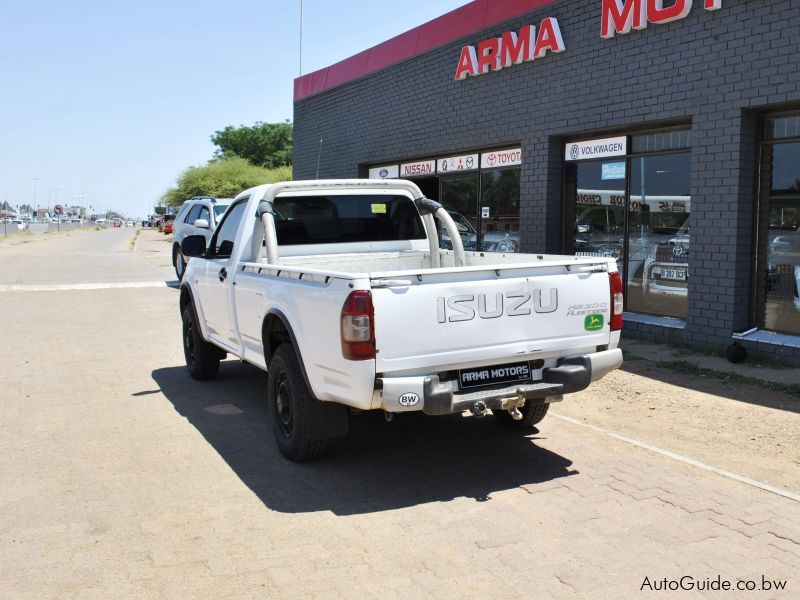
(339,290)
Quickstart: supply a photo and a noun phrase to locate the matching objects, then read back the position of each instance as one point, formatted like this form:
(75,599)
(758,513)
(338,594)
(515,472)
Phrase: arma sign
(618,17)
(621,16)
(510,49)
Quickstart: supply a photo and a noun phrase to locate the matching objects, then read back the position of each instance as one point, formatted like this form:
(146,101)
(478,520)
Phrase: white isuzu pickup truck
(340,291)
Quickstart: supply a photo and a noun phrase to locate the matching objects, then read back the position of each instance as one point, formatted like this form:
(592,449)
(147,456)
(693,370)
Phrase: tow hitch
(512,406)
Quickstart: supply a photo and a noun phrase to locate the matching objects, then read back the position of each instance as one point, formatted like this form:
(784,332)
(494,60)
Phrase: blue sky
(112,99)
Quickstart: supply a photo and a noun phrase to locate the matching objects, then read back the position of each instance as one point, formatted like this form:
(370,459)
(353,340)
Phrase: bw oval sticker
(409,399)
(594,322)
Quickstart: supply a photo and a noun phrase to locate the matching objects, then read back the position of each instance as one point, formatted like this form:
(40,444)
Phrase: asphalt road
(74,257)
(122,477)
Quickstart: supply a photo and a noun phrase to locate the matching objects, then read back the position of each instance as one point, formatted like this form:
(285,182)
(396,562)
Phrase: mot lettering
(623,16)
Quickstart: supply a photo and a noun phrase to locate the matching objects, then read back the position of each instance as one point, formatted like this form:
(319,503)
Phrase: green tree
(222,179)
(263,144)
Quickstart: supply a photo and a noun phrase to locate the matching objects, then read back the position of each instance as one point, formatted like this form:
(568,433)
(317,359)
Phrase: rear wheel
(531,415)
(202,358)
(290,408)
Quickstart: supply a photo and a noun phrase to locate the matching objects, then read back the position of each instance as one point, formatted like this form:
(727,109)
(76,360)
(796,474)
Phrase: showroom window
(777,298)
(629,198)
(481,192)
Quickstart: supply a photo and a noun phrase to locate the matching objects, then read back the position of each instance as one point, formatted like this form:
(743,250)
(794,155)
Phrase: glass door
(459,195)
(595,198)
(778,288)
(499,210)
(658,234)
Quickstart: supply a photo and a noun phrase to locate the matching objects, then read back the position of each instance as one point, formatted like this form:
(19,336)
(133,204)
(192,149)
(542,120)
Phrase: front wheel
(179,262)
(202,358)
(290,407)
(532,414)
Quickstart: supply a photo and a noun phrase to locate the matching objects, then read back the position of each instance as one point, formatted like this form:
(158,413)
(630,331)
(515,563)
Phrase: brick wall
(716,70)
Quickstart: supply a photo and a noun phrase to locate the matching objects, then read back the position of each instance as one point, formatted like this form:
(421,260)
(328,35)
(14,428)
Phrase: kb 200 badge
(408,400)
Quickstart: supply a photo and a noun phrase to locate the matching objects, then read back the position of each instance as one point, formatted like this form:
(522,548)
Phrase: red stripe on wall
(456,24)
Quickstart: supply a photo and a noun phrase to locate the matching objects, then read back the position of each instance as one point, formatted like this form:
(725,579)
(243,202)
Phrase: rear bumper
(435,397)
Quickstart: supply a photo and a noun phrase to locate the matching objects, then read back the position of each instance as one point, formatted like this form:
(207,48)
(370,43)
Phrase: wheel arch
(186,298)
(276,330)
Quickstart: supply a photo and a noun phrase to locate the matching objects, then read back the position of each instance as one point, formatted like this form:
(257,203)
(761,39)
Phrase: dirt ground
(747,429)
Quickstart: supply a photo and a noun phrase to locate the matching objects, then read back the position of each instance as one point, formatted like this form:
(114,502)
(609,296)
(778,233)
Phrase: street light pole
(34,180)
(58,217)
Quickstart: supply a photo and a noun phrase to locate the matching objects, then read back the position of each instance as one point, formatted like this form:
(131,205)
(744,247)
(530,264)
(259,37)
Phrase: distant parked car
(197,216)
(495,241)
(19,223)
(785,244)
(168,226)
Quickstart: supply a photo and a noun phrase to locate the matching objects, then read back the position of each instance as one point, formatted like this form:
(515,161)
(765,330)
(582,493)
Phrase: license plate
(482,376)
(673,274)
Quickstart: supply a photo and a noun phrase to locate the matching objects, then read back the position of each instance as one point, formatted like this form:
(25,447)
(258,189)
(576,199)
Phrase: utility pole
(301,37)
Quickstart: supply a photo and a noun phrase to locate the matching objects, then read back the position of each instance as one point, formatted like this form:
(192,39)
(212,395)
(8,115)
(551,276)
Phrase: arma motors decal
(512,48)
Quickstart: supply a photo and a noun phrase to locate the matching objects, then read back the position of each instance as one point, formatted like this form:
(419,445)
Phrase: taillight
(616,301)
(358,330)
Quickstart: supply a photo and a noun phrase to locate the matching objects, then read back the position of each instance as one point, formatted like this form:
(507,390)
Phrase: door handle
(223,274)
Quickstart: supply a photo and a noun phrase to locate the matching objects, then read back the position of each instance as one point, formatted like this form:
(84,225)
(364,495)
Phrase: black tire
(532,414)
(289,401)
(178,262)
(202,358)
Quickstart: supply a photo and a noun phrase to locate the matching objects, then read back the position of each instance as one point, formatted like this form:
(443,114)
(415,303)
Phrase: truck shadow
(382,466)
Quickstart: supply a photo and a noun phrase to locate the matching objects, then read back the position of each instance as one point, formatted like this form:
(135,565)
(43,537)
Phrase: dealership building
(664,133)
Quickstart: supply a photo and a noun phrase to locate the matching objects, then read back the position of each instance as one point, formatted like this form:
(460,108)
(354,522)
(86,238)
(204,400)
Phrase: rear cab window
(336,219)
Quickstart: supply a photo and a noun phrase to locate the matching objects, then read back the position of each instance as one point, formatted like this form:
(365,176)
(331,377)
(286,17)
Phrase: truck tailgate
(463,319)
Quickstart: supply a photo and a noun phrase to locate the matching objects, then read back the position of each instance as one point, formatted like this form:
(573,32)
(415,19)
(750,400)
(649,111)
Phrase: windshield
(462,224)
(219,209)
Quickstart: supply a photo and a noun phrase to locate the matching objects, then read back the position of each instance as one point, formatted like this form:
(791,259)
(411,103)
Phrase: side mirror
(193,246)
(201,224)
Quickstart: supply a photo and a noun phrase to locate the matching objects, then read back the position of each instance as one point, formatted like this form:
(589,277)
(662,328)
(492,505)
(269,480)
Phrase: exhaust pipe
(479,409)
